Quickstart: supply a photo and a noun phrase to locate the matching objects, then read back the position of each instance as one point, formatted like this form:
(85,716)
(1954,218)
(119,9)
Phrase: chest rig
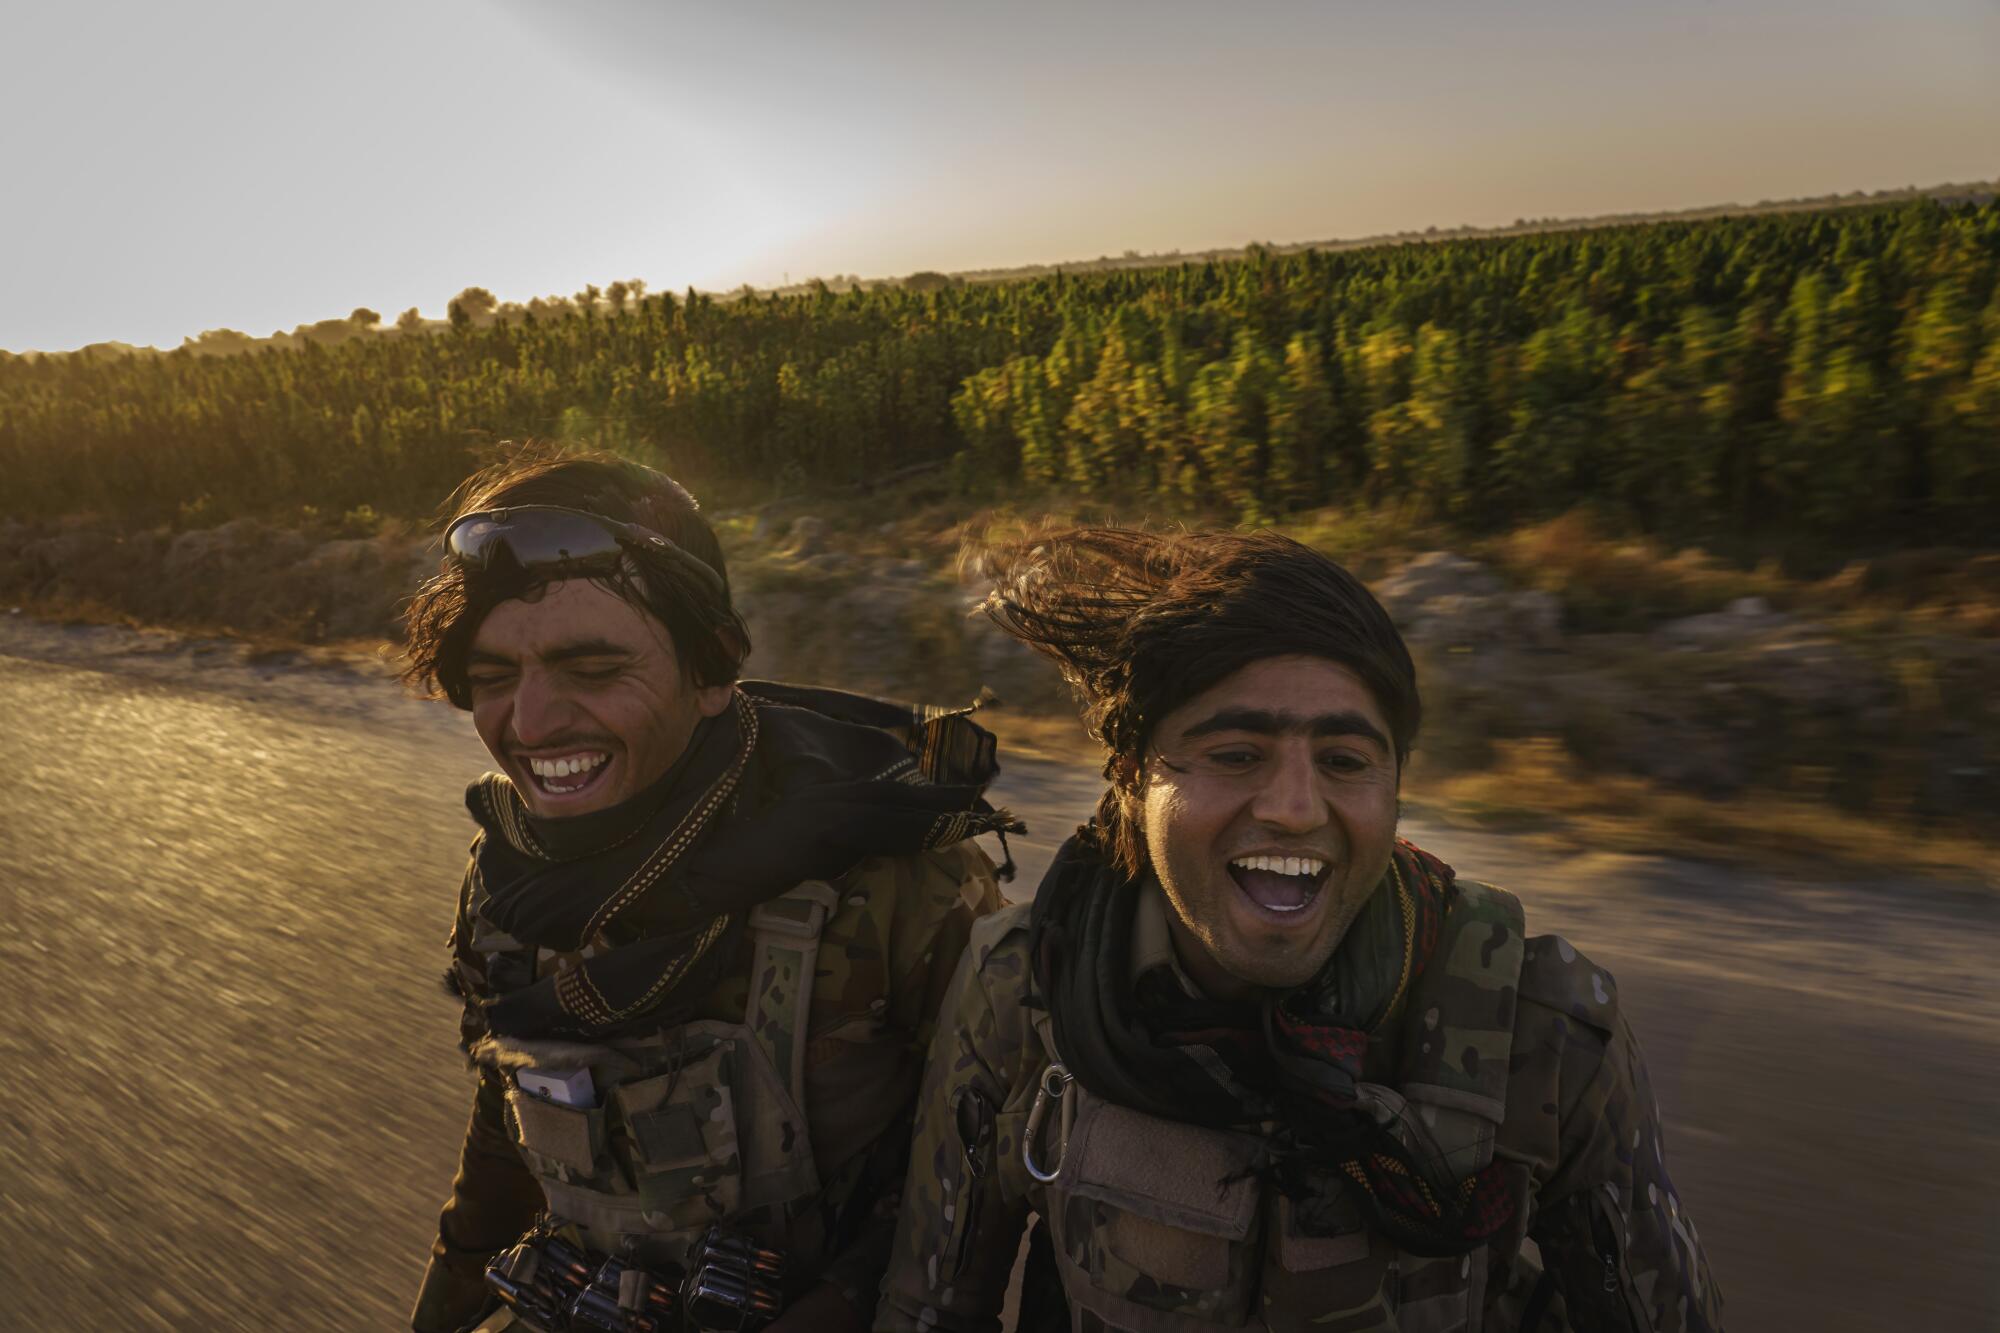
(685,1127)
(1163,1227)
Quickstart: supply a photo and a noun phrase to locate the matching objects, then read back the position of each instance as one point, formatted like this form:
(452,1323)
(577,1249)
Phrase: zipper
(973,1117)
(1611,1245)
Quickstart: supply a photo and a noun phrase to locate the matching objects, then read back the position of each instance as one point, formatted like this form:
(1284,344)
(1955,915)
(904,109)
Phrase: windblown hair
(709,637)
(1141,622)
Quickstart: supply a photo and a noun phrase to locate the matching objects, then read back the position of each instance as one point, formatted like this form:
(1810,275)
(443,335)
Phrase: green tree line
(1832,374)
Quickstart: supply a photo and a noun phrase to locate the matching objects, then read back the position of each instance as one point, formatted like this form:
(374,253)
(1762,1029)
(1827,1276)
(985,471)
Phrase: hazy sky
(167,168)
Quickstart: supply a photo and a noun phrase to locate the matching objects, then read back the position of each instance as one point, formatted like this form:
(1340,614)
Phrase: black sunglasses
(552,538)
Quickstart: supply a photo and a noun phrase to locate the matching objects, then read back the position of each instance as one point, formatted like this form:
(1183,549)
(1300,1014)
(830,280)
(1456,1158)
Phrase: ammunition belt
(556,1286)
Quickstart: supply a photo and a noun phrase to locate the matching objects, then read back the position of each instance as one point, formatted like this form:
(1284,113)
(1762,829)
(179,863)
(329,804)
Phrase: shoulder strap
(784,935)
(1458,1028)
(1458,1040)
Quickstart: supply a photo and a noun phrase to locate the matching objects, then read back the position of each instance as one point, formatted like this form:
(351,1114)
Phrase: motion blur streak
(229,1096)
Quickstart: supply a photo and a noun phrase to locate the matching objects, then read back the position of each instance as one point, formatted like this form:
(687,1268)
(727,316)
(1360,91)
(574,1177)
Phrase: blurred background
(1645,361)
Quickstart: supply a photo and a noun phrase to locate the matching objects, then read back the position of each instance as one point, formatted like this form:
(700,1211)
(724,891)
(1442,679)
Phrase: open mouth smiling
(567,774)
(1279,884)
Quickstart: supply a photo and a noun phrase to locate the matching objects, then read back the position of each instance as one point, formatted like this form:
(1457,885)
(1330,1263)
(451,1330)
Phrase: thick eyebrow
(562,652)
(1264,722)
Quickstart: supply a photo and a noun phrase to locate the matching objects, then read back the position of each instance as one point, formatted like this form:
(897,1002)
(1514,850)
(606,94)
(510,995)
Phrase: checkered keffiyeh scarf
(1293,1060)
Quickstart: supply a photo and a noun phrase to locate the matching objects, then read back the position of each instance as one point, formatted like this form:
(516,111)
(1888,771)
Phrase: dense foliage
(1834,374)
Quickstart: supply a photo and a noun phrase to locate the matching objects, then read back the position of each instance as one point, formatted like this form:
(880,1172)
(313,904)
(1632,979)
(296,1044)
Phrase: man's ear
(713,700)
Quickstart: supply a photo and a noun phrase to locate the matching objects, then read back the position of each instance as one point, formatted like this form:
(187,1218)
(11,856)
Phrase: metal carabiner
(1055,1082)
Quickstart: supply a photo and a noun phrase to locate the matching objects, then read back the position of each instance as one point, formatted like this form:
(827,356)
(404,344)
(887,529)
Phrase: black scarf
(1293,1060)
(788,785)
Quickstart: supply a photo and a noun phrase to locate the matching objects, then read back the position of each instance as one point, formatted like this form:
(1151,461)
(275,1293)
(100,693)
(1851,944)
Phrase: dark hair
(1141,622)
(709,637)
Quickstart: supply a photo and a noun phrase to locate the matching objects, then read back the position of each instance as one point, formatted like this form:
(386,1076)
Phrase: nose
(541,709)
(1290,798)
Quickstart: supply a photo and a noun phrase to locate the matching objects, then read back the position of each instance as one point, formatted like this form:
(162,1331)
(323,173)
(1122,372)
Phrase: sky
(166,169)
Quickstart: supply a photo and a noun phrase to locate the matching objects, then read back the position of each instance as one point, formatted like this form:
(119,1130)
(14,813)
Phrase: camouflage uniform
(1508,1048)
(720,1136)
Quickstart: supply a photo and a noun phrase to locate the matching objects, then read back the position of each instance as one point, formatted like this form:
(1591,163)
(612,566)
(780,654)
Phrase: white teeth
(1281,865)
(562,768)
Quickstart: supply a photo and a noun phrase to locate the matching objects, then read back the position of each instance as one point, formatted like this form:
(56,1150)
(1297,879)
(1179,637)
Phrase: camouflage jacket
(1579,1129)
(885,956)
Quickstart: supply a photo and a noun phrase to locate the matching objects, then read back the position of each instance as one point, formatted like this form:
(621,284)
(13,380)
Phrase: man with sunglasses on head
(1255,1061)
(704,929)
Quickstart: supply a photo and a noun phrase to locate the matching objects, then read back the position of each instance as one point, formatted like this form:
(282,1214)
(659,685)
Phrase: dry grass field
(1581,688)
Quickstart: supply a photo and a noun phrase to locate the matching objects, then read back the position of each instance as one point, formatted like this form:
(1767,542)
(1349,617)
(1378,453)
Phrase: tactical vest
(692,1125)
(1162,1227)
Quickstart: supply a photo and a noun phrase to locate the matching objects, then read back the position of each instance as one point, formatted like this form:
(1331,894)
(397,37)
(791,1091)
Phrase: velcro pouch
(1182,1176)
(668,1135)
(1161,1216)
(683,1117)
(679,1136)
(1341,1279)
(568,1136)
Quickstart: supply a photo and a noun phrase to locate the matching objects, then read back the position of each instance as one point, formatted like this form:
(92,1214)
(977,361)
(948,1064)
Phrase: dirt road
(229,1095)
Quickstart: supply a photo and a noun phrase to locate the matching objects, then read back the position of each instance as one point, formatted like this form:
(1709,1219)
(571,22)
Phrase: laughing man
(1253,1059)
(703,932)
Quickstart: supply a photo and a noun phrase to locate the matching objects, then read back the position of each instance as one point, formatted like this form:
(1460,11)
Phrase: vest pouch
(1157,1223)
(678,1129)
(1345,1279)
(566,1143)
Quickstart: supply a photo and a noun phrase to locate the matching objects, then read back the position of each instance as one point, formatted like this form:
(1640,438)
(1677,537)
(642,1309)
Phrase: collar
(1153,939)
